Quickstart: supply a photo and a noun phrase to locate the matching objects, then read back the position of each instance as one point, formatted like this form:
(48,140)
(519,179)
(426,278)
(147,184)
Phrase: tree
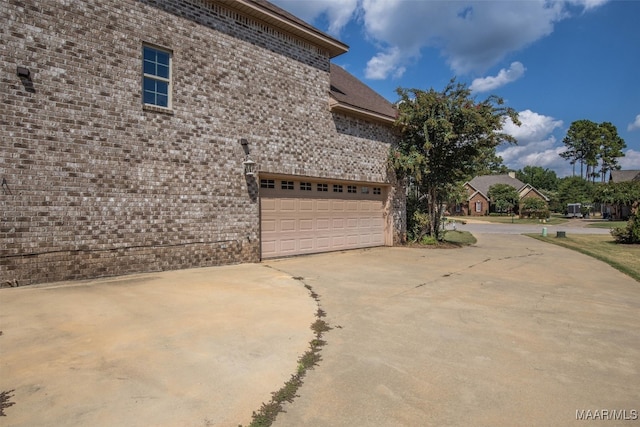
(592,144)
(503,197)
(581,142)
(442,134)
(534,207)
(575,189)
(611,146)
(540,178)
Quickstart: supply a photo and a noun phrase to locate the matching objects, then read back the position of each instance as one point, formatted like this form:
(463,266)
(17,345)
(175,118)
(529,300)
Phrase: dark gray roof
(624,176)
(349,92)
(484,182)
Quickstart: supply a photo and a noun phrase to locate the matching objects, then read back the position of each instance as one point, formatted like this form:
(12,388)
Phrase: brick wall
(95,184)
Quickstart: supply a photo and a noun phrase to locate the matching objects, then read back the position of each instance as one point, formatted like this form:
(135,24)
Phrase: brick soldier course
(95,183)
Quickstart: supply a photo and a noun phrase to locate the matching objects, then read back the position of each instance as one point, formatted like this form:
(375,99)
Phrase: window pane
(162,58)
(162,71)
(149,84)
(149,97)
(162,88)
(149,54)
(149,67)
(162,101)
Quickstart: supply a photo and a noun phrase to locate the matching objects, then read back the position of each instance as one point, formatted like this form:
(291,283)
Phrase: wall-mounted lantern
(249,167)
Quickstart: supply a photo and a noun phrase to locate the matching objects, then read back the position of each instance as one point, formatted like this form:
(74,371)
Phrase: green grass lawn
(625,258)
(459,237)
(607,224)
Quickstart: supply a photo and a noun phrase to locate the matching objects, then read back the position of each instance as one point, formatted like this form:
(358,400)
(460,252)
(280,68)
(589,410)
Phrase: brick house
(128,127)
(478,202)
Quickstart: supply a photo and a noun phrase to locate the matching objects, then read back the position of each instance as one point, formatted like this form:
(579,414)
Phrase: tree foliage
(592,145)
(539,177)
(534,207)
(631,233)
(575,189)
(443,134)
(624,193)
(503,197)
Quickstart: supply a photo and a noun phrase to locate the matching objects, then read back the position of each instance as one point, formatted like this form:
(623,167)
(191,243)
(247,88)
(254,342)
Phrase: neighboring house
(621,211)
(478,202)
(129,129)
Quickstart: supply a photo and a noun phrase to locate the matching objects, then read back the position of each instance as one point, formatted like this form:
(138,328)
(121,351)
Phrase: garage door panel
(322,224)
(306,205)
(301,224)
(306,225)
(287,225)
(288,245)
(306,244)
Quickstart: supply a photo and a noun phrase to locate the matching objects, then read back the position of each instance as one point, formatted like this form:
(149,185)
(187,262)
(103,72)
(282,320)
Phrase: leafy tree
(611,146)
(623,193)
(503,197)
(489,163)
(575,189)
(592,144)
(581,142)
(532,206)
(540,178)
(443,133)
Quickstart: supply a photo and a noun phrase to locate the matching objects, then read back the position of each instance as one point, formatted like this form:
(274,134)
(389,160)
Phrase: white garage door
(301,217)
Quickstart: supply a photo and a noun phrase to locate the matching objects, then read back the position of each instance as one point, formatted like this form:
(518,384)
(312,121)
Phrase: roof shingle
(348,91)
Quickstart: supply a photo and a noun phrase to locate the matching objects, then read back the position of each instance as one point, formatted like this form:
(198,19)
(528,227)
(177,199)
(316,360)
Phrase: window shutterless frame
(156,76)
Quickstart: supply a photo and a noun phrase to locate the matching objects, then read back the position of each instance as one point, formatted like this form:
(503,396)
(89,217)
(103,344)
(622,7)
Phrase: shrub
(630,233)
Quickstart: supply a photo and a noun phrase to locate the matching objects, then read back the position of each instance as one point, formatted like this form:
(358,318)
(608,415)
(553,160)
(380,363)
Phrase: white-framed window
(337,188)
(478,206)
(352,189)
(286,185)
(364,190)
(305,186)
(377,190)
(322,187)
(156,80)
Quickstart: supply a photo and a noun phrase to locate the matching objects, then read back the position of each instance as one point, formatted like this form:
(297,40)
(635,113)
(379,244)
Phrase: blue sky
(553,61)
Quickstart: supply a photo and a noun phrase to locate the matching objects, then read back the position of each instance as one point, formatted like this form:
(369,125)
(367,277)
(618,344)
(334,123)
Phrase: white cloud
(537,146)
(635,125)
(384,64)
(631,160)
(473,35)
(484,84)
(337,12)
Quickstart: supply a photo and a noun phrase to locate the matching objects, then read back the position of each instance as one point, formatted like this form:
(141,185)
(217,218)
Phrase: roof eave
(332,46)
(341,107)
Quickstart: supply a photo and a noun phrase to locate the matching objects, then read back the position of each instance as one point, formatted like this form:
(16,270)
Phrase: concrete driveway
(200,347)
(510,332)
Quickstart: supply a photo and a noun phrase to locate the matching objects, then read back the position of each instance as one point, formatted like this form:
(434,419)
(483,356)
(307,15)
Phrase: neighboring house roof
(482,184)
(282,19)
(349,95)
(624,176)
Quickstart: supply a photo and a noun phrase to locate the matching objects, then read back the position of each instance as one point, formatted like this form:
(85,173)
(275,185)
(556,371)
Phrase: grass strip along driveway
(620,256)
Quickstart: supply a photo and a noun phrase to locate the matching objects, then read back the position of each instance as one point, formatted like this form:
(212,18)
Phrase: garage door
(302,217)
